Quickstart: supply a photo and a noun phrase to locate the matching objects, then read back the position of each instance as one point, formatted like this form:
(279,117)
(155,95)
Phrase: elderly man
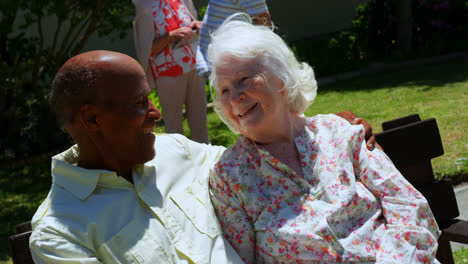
(106,204)
(122,194)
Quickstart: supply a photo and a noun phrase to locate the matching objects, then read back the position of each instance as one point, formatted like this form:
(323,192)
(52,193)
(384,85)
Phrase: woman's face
(251,97)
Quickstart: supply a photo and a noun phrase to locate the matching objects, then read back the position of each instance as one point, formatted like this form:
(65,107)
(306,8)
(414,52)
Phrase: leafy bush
(372,35)
(201,11)
(375,28)
(28,63)
(329,55)
(438,27)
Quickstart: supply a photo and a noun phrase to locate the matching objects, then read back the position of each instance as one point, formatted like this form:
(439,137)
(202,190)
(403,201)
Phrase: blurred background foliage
(436,27)
(29,61)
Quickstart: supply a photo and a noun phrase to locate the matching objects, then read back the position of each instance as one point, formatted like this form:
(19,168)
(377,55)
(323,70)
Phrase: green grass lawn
(439,91)
(21,192)
(461,256)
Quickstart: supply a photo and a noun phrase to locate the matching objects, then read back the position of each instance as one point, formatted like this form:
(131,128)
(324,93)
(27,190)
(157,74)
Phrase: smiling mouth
(248,110)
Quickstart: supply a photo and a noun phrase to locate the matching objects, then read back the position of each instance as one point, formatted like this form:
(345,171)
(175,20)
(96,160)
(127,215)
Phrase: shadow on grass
(426,75)
(21,192)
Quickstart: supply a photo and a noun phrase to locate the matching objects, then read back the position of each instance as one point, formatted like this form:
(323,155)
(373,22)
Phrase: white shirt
(93,216)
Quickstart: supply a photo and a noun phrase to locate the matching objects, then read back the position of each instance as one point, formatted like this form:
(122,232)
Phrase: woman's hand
(197,25)
(182,34)
(355,120)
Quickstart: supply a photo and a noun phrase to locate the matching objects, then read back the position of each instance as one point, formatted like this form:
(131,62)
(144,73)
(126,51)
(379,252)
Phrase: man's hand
(355,120)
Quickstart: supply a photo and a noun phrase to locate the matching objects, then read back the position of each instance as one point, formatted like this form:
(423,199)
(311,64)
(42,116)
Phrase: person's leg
(171,92)
(195,107)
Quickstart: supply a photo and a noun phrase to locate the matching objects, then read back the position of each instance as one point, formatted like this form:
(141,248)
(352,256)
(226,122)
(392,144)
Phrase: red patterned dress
(170,15)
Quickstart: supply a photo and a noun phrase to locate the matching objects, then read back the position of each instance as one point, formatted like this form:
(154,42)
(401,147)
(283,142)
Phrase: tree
(28,62)
(405,26)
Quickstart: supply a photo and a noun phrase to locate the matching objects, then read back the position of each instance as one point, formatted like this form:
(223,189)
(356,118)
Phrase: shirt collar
(79,181)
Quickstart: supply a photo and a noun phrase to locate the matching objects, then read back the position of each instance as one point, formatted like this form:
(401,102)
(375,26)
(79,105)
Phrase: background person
(216,12)
(295,189)
(166,47)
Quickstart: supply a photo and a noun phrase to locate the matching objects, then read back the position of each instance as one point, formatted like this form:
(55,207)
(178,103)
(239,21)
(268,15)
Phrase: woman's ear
(87,117)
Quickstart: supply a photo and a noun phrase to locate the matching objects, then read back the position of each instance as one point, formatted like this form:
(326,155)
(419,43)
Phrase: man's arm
(355,120)
(52,248)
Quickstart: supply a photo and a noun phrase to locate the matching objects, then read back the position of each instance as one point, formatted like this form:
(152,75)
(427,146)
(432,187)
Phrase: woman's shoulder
(331,125)
(235,163)
(237,152)
(327,121)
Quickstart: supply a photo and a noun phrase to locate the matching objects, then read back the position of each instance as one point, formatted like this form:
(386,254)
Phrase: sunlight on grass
(439,91)
(461,256)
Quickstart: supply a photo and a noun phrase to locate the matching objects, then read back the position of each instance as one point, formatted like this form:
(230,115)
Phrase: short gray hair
(243,40)
(72,87)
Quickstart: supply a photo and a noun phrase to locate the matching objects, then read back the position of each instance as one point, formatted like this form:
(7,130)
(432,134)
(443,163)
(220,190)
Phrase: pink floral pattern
(352,205)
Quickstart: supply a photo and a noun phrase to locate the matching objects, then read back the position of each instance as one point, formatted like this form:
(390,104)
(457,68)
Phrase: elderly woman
(297,189)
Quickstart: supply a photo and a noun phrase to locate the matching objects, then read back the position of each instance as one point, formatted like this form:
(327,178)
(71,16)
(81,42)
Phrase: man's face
(127,117)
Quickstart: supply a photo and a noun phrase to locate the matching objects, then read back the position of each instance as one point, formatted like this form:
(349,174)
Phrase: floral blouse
(352,205)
